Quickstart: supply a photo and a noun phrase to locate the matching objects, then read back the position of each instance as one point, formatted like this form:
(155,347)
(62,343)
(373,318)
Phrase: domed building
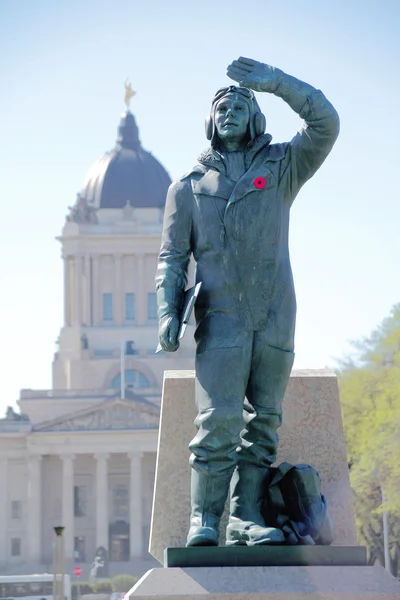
(128,175)
(83,453)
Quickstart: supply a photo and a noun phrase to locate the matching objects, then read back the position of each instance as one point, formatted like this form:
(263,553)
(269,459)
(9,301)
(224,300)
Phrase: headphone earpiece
(260,123)
(209,127)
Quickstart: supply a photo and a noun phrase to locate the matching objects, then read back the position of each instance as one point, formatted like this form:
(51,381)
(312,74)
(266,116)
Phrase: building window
(15,546)
(133,379)
(107,307)
(152,306)
(129,307)
(80,500)
(40,589)
(23,589)
(120,499)
(79,549)
(16,509)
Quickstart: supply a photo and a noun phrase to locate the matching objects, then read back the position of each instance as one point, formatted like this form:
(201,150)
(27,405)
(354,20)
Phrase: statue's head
(234,114)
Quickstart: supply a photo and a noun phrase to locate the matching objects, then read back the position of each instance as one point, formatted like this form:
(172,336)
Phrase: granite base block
(311,433)
(266,583)
(265,556)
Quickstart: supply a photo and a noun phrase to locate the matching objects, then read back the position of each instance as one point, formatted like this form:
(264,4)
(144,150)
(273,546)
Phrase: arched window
(133,379)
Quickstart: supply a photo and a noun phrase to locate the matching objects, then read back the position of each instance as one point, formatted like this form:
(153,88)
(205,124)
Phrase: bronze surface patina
(231,212)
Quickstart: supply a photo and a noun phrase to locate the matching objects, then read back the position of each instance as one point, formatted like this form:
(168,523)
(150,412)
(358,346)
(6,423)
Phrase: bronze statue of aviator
(231,212)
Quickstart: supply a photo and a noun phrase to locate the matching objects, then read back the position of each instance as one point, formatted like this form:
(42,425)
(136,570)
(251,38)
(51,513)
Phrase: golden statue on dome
(129,93)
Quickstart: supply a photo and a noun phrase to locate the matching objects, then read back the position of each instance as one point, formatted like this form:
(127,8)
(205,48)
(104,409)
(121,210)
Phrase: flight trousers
(240,383)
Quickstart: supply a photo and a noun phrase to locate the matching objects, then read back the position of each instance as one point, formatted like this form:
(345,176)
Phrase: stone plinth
(311,433)
(267,583)
(266,556)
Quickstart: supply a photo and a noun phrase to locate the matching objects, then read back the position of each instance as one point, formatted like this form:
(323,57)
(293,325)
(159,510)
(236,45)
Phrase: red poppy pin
(259,183)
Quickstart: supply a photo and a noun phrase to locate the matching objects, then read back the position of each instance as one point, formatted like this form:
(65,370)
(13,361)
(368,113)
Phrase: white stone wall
(17,491)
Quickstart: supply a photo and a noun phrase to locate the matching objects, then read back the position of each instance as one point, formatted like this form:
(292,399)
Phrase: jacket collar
(212,158)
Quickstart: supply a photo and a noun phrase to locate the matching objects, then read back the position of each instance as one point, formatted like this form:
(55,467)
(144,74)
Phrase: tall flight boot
(208,495)
(246,524)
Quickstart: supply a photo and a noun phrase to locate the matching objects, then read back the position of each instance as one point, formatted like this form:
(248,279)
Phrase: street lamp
(58,564)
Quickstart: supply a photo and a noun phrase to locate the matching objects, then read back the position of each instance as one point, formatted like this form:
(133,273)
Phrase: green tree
(369,384)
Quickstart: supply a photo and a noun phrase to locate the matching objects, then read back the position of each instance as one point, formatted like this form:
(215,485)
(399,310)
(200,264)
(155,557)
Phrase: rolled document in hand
(189,300)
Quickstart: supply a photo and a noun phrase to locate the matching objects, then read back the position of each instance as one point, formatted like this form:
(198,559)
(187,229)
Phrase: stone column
(34,509)
(88,299)
(118,295)
(95,295)
(140,292)
(78,289)
(68,504)
(135,505)
(67,291)
(4,510)
(101,500)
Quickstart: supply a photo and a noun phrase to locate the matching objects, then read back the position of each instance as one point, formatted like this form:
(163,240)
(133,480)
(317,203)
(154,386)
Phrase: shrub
(104,586)
(123,583)
(84,587)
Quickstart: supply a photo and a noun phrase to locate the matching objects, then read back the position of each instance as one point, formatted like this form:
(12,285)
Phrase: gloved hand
(255,75)
(168,333)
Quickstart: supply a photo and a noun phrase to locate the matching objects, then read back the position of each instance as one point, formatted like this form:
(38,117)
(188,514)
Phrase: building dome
(126,175)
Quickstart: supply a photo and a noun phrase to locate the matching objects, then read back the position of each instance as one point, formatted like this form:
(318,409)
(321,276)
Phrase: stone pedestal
(311,433)
(266,583)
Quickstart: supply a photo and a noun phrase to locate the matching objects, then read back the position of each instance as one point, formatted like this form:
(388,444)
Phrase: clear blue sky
(62,70)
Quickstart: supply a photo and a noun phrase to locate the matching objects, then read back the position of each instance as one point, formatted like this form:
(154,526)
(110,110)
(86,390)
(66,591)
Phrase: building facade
(83,454)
